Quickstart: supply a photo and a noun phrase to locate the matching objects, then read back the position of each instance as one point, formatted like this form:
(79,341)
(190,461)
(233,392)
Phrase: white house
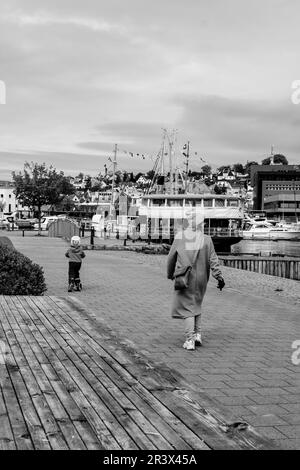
(8,201)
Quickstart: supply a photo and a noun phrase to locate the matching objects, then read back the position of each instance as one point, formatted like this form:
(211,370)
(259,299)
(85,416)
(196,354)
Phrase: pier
(275,266)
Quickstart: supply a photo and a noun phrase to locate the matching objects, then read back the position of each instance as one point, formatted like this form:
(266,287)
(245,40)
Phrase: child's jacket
(75,254)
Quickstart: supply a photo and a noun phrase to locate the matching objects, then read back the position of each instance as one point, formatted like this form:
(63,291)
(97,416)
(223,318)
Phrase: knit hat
(192,214)
(75,241)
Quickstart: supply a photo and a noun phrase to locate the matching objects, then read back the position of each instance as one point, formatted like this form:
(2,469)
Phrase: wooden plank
(194,420)
(83,400)
(117,420)
(244,437)
(37,416)
(51,410)
(72,410)
(7,441)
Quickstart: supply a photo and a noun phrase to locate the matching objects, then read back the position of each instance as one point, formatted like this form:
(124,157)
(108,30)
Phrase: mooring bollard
(92,236)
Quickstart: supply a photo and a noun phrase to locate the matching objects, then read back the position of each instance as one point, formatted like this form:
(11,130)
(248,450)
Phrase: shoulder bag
(181,275)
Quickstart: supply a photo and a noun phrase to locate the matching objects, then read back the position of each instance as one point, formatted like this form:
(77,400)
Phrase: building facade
(8,201)
(276,190)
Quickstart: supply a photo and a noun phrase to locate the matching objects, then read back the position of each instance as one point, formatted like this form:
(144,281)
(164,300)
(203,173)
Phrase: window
(207,202)
(158,202)
(219,203)
(175,202)
(232,203)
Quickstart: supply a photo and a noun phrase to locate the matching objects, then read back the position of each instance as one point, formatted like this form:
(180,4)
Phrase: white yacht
(264,230)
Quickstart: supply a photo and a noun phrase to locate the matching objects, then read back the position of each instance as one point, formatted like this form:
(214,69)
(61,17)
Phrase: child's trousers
(74,268)
(192,326)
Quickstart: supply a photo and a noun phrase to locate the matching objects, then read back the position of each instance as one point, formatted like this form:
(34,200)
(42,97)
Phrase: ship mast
(113,180)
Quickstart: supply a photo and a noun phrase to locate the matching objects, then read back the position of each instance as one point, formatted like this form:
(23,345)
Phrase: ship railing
(222,232)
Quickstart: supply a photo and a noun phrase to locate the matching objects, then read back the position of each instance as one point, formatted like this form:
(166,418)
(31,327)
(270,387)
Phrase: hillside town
(88,191)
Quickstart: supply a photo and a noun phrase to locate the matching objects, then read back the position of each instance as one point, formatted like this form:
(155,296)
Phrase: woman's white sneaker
(189,344)
(198,339)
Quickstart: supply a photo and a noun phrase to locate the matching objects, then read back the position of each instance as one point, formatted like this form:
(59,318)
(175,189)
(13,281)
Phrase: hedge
(19,275)
(5,241)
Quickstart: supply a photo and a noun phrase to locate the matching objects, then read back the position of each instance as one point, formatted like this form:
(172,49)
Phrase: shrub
(5,241)
(19,275)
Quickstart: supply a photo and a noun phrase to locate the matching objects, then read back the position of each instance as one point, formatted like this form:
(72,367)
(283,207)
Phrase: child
(75,255)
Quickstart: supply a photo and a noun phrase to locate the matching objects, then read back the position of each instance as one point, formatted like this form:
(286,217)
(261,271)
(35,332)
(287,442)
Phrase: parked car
(45,221)
(25,224)
(4,224)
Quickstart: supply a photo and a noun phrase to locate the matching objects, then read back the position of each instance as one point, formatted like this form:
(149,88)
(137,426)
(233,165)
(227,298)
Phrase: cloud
(81,76)
(44,18)
(241,129)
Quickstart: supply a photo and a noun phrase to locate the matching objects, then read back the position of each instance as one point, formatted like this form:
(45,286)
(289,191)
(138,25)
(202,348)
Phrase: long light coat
(187,302)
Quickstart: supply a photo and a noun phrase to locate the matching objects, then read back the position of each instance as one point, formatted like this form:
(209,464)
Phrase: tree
(38,185)
(88,183)
(138,176)
(238,168)
(206,170)
(80,176)
(278,158)
(66,205)
(223,168)
(220,189)
(150,174)
(248,166)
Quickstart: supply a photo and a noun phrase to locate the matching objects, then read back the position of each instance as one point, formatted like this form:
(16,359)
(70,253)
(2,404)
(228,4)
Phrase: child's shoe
(78,285)
(71,285)
(189,344)
(198,339)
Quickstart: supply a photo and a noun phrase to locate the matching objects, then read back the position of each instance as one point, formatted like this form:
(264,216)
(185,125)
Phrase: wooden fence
(64,228)
(287,267)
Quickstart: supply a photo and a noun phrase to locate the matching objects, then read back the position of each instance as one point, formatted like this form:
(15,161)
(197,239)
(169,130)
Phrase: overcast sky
(82,75)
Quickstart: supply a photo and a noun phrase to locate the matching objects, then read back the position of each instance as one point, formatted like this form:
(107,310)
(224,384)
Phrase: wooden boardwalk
(67,382)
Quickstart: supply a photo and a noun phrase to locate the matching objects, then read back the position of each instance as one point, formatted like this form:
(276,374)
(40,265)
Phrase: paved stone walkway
(246,361)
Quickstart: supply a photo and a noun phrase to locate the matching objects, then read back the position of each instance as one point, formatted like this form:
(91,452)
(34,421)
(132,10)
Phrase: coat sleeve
(171,261)
(82,254)
(67,254)
(214,262)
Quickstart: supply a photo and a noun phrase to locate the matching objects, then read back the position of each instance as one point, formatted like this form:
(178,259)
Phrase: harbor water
(272,247)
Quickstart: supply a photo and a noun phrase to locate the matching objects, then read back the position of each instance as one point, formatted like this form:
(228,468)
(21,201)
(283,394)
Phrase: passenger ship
(162,215)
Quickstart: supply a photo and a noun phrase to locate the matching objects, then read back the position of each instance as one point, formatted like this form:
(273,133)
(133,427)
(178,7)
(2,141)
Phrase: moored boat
(162,215)
(265,230)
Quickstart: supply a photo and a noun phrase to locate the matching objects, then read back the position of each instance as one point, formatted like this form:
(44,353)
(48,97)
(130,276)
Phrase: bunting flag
(139,155)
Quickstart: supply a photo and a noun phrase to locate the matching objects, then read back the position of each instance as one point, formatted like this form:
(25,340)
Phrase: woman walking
(195,251)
